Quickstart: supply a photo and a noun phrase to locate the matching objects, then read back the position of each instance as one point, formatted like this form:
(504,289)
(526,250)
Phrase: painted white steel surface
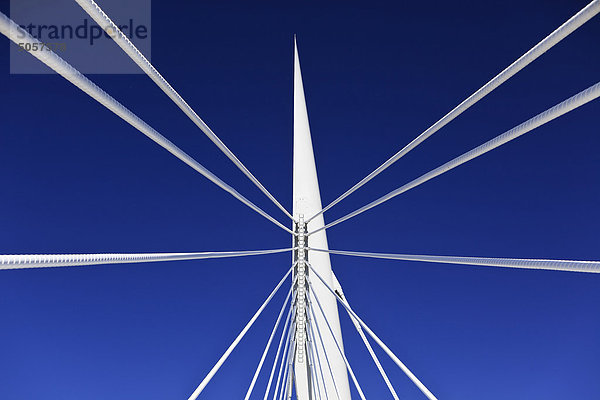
(307,202)
(383,346)
(338,289)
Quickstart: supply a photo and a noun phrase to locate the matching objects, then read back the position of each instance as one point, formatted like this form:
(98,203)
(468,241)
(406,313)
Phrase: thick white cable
(237,340)
(354,380)
(284,335)
(524,263)
(268,346)
(18,35)
(337,394)
(20,261)
(549,41)
(581,98)
(340,293)
(387,350)
(284,358)
(129,48)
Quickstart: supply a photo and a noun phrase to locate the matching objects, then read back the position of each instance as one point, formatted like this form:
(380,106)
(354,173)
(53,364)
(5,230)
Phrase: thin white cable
(289,381)
(103,20)
(337,394)
(237,340)
(354,380)
(387,350)
(268,346)
(18,35)
(554,265)
(284,335)
(311,363)
(315,386)
(311,367)
(288,363)
(340,293)
(20,261)
(283,364)
(548,42)
(284,360)
(375,359)
(581,98)
(320,385)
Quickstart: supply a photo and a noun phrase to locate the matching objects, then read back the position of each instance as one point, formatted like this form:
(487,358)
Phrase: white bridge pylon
(307,202)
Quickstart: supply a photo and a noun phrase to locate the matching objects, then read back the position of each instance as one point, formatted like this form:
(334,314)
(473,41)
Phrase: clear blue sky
(76,178)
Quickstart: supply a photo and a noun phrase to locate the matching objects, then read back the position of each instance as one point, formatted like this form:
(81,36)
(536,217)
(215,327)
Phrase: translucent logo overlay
(63,27)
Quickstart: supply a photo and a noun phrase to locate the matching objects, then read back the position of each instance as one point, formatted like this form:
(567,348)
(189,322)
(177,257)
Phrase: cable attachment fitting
(301,257)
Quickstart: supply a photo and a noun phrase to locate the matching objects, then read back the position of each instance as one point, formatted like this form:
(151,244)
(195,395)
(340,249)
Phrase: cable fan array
(281,386)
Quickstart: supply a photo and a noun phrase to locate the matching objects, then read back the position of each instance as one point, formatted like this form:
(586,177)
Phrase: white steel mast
(307,202)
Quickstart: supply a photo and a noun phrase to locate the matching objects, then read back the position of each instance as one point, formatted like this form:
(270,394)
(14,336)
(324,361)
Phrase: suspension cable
(548,42)
(354,380)
(237,340)
(18,35)
(268,346)
(279,347)
(284,358)
(313,349)
(524,263)
(316,394)
(287,366)
(558,110)
(340,293)
(20,261)
(337,393)
(104,21)
(394,358)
